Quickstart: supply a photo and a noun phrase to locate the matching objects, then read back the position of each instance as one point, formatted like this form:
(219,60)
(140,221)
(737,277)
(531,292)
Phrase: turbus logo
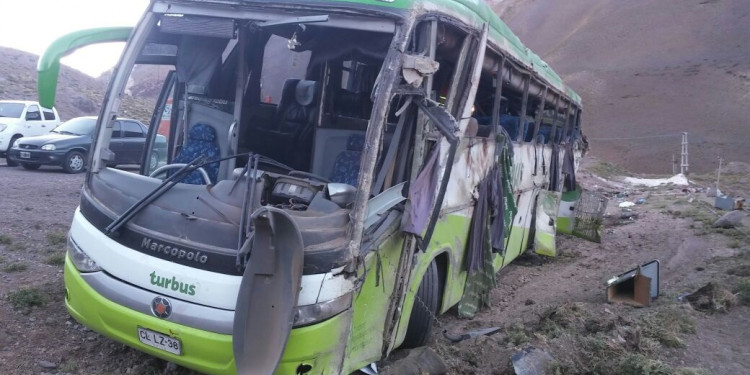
(173,284)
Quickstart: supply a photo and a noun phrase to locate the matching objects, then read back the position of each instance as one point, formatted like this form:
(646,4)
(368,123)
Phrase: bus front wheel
(424,309)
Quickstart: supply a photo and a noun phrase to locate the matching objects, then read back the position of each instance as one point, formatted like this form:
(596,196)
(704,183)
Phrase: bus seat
(346,166)
(512,124)
(201,142)
(297,106)
(212,111)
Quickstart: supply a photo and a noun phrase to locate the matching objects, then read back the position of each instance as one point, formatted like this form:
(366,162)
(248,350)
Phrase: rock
(420,361)
(712,298)
(47,364)
(730,219)
(532,361)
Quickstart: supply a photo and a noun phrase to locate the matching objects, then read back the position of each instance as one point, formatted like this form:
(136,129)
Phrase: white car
(19,118)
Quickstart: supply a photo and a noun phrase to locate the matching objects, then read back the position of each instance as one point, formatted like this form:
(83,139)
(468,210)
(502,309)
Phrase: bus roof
(472,12)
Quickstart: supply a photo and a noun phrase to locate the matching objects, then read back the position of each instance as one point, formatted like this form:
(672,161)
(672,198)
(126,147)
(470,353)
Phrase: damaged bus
(337,174)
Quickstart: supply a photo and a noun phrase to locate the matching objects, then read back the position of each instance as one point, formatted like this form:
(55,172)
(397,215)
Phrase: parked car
(20,118)
(68,145)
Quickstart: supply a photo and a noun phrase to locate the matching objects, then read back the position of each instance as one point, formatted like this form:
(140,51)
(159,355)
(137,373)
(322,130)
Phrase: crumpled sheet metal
(415,68)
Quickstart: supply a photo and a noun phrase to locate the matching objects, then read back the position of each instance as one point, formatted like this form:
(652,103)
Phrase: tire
(11,163)
(422,314)
(30,166)
(75,162)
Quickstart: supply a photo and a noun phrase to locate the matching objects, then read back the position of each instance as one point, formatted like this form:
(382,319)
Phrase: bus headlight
(316,313)
(80,260)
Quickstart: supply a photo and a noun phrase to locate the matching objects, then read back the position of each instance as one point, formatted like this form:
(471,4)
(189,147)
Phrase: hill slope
(77,93)
(649,68)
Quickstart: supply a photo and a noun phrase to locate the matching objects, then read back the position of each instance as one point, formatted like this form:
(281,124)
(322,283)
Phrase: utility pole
(718,175)
(684,161)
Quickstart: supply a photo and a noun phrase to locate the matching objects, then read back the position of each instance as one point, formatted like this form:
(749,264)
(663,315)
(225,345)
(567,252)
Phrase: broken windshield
(298,93)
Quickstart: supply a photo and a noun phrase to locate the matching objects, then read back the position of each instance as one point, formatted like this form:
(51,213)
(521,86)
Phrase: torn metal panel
(546,220)
(416,68)
(265,311)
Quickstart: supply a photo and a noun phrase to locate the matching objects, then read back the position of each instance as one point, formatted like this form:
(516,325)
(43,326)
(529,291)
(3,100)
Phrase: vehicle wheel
(153,161)
(424,309)
(74,162)
(10,163)
(30,166)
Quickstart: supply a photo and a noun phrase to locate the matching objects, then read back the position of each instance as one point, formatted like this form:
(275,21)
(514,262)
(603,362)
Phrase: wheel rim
(76,162)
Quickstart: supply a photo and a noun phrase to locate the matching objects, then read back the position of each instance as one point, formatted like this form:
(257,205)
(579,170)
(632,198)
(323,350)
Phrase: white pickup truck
(19,118)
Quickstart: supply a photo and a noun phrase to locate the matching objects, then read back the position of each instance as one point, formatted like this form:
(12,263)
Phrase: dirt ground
(557,305)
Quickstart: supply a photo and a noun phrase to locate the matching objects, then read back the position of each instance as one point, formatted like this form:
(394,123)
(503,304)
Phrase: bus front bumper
(317,347)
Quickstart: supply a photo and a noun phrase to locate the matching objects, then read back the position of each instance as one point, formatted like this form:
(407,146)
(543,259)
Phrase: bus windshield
(295,93)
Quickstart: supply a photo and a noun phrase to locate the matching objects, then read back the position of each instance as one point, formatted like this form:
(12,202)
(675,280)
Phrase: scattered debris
(532,361)
(626,204)
(730,219)
(640,201)
(636,287)
(727,203)
(471,334)
(713,192)
(371,369)
(712,298)
(420,361)
(47,364)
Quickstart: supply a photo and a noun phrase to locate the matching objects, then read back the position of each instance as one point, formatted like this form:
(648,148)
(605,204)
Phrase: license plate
(160,341)
(25,154)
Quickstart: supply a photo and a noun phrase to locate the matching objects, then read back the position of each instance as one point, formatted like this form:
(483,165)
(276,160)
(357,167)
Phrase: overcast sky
(31,25)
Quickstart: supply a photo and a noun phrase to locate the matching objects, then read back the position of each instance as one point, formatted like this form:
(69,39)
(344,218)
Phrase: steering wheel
(167,167)
(309,175)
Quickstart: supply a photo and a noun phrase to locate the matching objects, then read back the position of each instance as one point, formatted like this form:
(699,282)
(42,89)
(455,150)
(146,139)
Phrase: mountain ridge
(647,69)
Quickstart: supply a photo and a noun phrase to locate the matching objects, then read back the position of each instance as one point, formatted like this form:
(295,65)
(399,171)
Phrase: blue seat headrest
(202,132)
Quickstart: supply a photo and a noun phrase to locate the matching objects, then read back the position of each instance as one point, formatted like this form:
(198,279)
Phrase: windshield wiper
(165,185)
(173,180)
(63,132)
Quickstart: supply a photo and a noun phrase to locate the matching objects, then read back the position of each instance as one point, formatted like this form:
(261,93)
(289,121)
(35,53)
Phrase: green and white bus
(338,172)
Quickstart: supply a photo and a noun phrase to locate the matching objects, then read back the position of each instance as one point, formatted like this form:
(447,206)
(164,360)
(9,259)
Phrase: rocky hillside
(648,70)
(78,94)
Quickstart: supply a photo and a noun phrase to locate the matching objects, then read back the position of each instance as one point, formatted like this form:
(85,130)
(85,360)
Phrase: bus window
(485,101)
